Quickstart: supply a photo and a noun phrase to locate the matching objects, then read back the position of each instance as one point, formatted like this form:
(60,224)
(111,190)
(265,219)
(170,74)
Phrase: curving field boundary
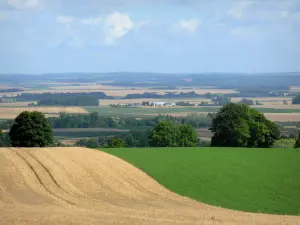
(83,186)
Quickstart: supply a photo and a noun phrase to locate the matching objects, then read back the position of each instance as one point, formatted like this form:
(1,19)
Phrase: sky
(166,36)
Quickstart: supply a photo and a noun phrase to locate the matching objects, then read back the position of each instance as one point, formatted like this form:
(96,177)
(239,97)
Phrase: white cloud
(100,30)
(116,26)
(27,4)
(65,19)
(189,26)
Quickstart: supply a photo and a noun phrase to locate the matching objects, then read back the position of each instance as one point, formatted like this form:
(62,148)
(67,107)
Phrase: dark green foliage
(183,103)
(70,101)
(237,125)
(164,134)
(187,136)
(191,94)
(94,120)
(247,101)
(4,140)
(134,138)
(296,100)
(11,90)
(57,96)
(167,134)
(90,143)
(31,129)
(297,143)
(116,143)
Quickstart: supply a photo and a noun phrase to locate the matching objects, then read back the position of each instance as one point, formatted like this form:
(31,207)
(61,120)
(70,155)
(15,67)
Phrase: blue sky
(193,36)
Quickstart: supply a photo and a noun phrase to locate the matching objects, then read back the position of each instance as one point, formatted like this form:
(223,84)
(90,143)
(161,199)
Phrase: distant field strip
(78,186)
(284,115)
(12,112)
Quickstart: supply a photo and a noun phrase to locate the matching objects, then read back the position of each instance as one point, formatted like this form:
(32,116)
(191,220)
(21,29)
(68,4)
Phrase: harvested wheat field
(83,186)
(283,117)
(12,112)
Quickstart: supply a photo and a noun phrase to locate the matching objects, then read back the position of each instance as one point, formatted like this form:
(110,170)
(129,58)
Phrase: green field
(107,111)
(253,180)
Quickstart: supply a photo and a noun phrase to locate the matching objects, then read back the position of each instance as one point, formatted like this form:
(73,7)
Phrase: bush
(116,143)
(284,143)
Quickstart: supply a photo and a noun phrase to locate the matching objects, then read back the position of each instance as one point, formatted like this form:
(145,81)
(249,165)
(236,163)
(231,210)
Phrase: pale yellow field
(83,186)
(9,113)
(295,88)
(264,100)
(283,117)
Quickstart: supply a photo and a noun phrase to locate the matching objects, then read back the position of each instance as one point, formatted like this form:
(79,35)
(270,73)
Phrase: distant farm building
(160,104)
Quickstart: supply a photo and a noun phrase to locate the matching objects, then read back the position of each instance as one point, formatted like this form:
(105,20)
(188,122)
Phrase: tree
(187,136)
(164,134)
(31,129)
(116,143)
(238,125)
(297,143)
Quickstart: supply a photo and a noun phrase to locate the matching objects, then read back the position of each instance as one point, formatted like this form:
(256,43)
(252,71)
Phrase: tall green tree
(164,134)
(31,129)
(238,125)
(186,136)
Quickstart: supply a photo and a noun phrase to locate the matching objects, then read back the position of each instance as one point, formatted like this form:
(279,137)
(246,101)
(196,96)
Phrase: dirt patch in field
(10,113)
(83,186)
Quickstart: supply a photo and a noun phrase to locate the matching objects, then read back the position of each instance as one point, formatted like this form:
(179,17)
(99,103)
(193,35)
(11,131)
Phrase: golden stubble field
(83,186)
(12,112)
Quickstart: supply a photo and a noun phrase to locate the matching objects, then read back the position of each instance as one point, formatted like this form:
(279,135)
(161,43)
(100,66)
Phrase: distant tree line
(11,90)
(80,100)
(296,100)
(94,120)
(47,96)
(191,94)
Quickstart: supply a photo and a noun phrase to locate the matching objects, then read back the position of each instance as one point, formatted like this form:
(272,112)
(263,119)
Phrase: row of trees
(70,101)
(235,125)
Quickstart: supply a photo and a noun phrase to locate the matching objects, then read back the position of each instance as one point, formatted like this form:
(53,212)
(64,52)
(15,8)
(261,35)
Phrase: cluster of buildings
(161,104)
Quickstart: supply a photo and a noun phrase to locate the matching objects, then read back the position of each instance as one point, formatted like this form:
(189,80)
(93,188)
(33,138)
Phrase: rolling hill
(83,186)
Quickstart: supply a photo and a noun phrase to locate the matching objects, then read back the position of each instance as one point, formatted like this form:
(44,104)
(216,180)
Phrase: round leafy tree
(187,136)
(164,134)
(31,129)
(238,125)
